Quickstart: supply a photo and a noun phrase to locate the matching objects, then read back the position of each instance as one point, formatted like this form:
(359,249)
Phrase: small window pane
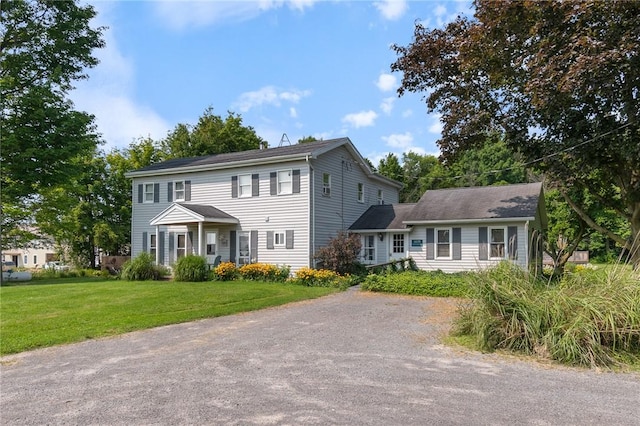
(244,182)
(179,190)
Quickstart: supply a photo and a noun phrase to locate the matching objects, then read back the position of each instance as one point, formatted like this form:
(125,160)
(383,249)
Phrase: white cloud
(387,105)
(407,113)
(402,141)
(268,95)
(391,9)
(436,126)
(386,82)
(293,113)
(360,119)
(180,15)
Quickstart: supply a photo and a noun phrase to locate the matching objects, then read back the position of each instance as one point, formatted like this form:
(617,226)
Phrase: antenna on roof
(284,139)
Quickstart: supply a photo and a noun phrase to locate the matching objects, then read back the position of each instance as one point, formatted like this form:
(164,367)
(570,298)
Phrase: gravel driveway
(350,358)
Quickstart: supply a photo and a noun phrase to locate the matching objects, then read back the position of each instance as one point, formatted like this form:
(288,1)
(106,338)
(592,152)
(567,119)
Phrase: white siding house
(276,205)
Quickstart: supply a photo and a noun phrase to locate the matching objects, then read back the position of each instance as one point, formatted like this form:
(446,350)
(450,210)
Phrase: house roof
(384,216)
(256,156)
(478,203)
(190,213)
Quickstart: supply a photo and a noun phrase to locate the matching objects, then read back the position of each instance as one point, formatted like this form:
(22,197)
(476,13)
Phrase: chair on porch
(216,262)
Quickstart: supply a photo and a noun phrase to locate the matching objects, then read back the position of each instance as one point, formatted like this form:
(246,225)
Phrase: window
(179,191)
(497,243)
(369,248)
(26,259)
(443,244)
(149,192)
(284,182)
(181,246)
(398,243)
(279,238)
(244,185)
(35,260)
(380,197)
(326,184)
(361,192)
(211,243)
(244,248)
(152,245)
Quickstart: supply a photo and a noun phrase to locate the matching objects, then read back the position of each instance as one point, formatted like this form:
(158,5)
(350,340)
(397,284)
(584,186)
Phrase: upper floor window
(284,182)
(149,192)
(443,243)
(244,185)
(497,243)
(380,197)
(326,184)
(361,192)
(179,191)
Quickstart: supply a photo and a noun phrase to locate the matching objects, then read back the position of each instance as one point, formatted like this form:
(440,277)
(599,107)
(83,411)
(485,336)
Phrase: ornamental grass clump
(191,268)
(141,268)
(590,318)
(264,272)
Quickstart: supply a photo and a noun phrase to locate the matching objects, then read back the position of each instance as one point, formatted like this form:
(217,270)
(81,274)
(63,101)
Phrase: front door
(244,248)
(211,250)
(397,247)
(368,249)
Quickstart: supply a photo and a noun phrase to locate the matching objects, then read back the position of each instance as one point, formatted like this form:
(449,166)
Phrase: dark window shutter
(160,244)
(232,246)
(171,244)
(295,186)
(144,241)
(187,190)
(512,233)
(483,239)
(457,243)
(255,185)
(156,192)
(289,238)
(234,186)
(273,183)
(430,246)
(254,246)
(189,243)
(169,191)
(140,193)
(269,240)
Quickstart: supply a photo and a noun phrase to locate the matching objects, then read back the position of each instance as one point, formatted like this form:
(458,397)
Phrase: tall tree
(390,167)
(559,80)
(211,135)
(44,47)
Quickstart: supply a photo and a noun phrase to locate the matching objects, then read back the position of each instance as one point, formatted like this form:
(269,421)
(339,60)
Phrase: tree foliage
(211,135)
(560,81)
(341,254)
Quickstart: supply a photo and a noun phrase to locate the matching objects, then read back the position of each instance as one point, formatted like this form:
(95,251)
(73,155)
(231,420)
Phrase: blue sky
(301,67)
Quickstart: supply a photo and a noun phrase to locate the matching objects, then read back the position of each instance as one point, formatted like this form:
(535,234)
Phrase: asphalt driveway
(352,358)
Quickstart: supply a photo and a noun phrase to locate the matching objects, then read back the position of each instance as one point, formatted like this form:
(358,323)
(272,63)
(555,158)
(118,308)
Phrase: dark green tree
(558,80)
(389,166)
(307,139)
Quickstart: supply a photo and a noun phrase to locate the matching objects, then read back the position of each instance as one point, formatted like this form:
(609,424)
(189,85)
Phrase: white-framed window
(443,243)
(285,184)
(26,259)
(369,248)
(361,192)
(497,243)
(211,243)
(279,239)
(179,191)
(244,185)
(398,243)
(326,184)
(380,196)
(181,245)
(149,192)
(152,245)
(244,248)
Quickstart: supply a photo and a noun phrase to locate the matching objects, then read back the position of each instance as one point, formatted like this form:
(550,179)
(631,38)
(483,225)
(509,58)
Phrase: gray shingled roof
(208,212)
(385,216)
(254,154)
(486,202)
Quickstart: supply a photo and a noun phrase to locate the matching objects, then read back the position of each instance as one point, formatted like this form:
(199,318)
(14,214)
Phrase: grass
(59,311)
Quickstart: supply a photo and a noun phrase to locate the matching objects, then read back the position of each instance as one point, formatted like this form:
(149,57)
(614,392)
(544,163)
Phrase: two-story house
(275,205)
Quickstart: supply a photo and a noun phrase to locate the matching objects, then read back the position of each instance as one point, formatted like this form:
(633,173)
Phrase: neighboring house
(34,255)
(459,229)
(276,205)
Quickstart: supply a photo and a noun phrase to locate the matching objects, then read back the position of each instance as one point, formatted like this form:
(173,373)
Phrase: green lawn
(51,312)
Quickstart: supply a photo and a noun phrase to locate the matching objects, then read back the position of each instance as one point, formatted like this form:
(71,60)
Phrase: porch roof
(383,217)
(192,213)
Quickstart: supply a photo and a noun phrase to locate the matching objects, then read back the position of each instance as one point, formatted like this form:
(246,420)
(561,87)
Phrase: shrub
(264,272)
(191,268)
(341,254)
(226,271)
(140,268)
(419,283)
(590,318)
(320,278)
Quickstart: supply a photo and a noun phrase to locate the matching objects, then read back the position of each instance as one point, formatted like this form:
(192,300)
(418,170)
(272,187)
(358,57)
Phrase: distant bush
(226,271)
(191,268)
(419,283)
(321,278)
(588,317)
(264,272)
(341,254)
(141,268)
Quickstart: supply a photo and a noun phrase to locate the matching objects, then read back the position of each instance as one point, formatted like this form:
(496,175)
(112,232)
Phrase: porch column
(200,238)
